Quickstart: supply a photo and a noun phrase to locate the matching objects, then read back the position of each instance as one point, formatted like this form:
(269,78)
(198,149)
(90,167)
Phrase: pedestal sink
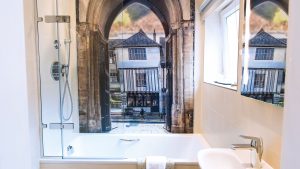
(217,158)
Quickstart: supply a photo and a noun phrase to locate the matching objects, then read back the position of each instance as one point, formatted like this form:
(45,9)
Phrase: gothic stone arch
(95,18)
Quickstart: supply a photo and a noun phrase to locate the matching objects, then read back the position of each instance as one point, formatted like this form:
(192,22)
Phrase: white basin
(217,158)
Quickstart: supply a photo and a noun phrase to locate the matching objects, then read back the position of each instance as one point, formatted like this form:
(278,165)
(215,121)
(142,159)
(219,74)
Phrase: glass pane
(221,45)
(231,58)
(48,48)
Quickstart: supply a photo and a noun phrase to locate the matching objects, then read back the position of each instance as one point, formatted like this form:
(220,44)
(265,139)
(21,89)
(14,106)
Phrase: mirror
(264,50)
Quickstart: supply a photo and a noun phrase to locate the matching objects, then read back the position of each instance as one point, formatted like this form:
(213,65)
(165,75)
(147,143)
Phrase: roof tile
(139,39)
(263,39)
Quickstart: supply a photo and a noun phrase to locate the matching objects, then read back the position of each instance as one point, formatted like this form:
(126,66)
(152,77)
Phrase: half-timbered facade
(138,66)
(266,68)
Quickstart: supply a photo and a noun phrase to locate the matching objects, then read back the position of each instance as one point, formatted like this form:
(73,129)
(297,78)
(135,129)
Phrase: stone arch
(120,8)
(169,12)
(93,29)
(283,4)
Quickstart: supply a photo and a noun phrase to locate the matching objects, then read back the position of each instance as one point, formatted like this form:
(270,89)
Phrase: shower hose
(66,87)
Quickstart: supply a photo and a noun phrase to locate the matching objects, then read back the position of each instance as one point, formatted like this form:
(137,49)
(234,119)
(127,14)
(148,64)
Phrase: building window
(137,54)
(139,100)
(264,54)
(112,58)
(259,80)
(131,100)
(148,100)
(141,80)
(113,77)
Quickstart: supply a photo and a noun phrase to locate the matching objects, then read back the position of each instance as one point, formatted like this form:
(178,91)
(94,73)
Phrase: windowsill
(230,87)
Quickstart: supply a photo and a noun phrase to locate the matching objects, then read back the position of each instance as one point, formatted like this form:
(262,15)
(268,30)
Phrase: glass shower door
(48,45)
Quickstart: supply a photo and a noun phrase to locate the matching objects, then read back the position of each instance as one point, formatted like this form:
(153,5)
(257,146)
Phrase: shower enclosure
(64,98)
(57,72)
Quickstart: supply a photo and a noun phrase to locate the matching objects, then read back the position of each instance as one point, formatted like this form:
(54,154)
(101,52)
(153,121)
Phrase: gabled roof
(263,39)
(113,42)
(139,39)
(284,40)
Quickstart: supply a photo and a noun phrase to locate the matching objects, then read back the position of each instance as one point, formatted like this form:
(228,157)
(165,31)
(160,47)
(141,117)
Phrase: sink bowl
(217,158)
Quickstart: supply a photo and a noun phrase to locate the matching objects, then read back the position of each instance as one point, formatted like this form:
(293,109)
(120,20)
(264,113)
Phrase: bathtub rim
(128,161)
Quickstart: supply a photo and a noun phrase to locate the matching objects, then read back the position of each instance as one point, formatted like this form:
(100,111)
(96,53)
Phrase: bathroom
(220,114)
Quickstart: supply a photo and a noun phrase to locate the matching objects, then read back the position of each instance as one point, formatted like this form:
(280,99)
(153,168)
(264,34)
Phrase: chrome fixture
(40,19)
(56,44)
(69,126)
(255,144)
(70,150)
(57,18)
(44,125)
(129,140)
(56,70)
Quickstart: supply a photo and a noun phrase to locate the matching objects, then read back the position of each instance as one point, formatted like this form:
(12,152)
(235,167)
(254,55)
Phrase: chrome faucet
(256,144)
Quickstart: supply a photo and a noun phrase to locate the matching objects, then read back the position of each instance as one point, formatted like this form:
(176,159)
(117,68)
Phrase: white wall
(198,72)
(32,80)
(291,136)
(19,131)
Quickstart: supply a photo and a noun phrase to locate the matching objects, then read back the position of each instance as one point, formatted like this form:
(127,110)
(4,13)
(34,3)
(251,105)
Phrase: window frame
(222,74)
(135,53)
(259,83)
(114,77)
(224,14)
(266,53)
(141,82)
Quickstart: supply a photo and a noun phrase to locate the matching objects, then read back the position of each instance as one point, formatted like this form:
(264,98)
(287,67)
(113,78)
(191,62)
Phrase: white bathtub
(120,150)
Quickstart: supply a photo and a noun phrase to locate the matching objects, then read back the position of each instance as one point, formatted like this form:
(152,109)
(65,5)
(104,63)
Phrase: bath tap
(70,148)
(129,140)
(255,144)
